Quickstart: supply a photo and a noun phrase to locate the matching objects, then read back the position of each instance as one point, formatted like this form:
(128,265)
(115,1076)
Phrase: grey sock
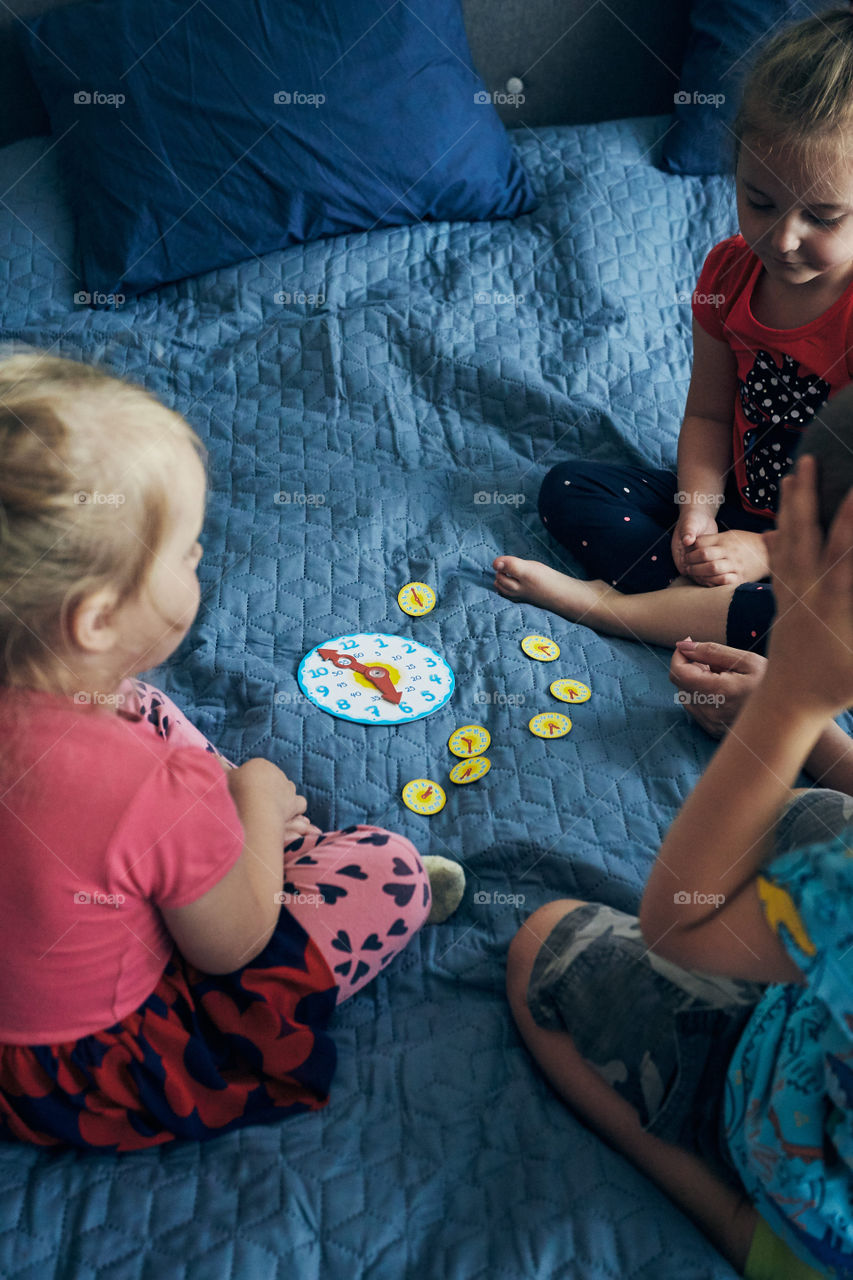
(447,882)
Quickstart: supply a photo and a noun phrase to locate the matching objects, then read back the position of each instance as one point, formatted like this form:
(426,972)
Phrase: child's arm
(232,923)
(704,464)
(831,762)
(724,833)
(705,441)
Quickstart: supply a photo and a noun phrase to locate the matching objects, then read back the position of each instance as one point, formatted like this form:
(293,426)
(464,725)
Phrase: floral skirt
(203,1055)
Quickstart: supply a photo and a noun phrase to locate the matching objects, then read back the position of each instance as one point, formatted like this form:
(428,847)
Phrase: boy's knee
(527,943)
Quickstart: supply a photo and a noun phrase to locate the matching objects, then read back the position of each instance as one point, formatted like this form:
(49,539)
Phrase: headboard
(577,60)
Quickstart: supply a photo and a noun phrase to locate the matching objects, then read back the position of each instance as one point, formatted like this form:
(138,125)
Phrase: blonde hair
(798,97)
(87,459)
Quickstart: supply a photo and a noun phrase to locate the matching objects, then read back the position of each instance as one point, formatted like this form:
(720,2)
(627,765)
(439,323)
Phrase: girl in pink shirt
(168,972)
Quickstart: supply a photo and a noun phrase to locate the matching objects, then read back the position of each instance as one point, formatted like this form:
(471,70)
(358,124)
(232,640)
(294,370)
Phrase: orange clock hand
(377,676)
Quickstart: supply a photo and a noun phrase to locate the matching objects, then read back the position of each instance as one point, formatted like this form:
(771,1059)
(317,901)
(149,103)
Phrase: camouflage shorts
(660,1035)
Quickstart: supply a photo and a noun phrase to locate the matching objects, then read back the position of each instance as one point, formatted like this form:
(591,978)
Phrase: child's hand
(810,651)
(714,681)
(692,523)
(724,559)
(299,827)
(261,783)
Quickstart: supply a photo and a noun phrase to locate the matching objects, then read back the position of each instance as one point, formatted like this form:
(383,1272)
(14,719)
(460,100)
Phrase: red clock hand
(377,676)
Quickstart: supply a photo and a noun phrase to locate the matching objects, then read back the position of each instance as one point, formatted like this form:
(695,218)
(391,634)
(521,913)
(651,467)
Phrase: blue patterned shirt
(789,1088)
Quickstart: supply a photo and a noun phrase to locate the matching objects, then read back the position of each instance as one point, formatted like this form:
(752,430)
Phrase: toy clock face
(375,679)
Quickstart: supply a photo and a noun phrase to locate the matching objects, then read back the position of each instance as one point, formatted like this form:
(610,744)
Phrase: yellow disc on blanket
(470,740)
(416,599)
(550,725)
(470,770)
(422,795)
(571,691)
(540,648)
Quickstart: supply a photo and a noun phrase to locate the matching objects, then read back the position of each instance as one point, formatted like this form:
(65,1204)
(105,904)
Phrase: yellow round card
(571,691)
(421,795)
(470,740)
(550,725)
(470,770)
(540,648)
(416,599)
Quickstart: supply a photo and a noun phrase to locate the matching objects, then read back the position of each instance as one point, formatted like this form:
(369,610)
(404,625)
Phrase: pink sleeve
(708,296)
(182,832)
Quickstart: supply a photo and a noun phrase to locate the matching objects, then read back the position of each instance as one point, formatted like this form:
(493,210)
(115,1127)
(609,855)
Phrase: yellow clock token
(571,691)
(416,599)
(470,770)
(550,725)
(540,648)
(422,795)
(470,740)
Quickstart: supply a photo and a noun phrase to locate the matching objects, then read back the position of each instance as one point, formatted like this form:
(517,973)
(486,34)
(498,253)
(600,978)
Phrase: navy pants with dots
(617,521)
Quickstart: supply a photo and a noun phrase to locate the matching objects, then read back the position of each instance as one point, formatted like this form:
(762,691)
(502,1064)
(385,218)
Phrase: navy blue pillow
(194,136)
(724,40)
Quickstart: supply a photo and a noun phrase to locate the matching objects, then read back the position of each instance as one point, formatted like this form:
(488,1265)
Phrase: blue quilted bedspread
(408,389)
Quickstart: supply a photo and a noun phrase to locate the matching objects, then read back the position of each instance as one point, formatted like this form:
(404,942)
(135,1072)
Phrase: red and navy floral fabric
(203,1055)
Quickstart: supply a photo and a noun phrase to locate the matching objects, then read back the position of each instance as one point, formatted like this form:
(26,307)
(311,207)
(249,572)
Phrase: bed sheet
(379,408)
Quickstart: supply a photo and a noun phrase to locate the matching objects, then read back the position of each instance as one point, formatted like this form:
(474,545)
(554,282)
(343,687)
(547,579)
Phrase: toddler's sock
(447,883)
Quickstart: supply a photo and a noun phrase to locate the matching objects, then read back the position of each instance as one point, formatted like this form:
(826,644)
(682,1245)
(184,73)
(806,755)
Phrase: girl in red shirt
(772,336)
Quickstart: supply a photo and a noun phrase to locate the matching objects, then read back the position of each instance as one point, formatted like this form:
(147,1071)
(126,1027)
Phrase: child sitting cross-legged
(176,933)
(711,1039)
(674,553)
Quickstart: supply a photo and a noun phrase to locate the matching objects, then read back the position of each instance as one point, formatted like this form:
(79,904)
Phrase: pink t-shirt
(101,823)
(784,375)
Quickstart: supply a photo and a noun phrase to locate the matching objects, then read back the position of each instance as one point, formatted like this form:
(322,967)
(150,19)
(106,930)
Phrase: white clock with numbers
(375,679)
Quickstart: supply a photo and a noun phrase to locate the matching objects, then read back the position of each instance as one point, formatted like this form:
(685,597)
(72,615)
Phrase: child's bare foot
(662,617)
(529,582)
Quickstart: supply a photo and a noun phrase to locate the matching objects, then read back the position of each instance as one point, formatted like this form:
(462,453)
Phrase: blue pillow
(194,136)
(724,40)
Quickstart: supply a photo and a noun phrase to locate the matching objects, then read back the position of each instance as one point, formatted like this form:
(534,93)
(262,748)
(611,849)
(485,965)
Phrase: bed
(408,419)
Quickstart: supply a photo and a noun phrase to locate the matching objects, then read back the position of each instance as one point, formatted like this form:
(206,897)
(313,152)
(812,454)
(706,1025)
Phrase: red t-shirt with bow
(784,375)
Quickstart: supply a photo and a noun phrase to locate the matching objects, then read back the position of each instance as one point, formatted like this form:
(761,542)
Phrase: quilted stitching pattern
(443,1152)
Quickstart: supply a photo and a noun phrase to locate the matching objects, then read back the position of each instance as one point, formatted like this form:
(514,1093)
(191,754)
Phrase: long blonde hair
(798,97)
(85,462)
